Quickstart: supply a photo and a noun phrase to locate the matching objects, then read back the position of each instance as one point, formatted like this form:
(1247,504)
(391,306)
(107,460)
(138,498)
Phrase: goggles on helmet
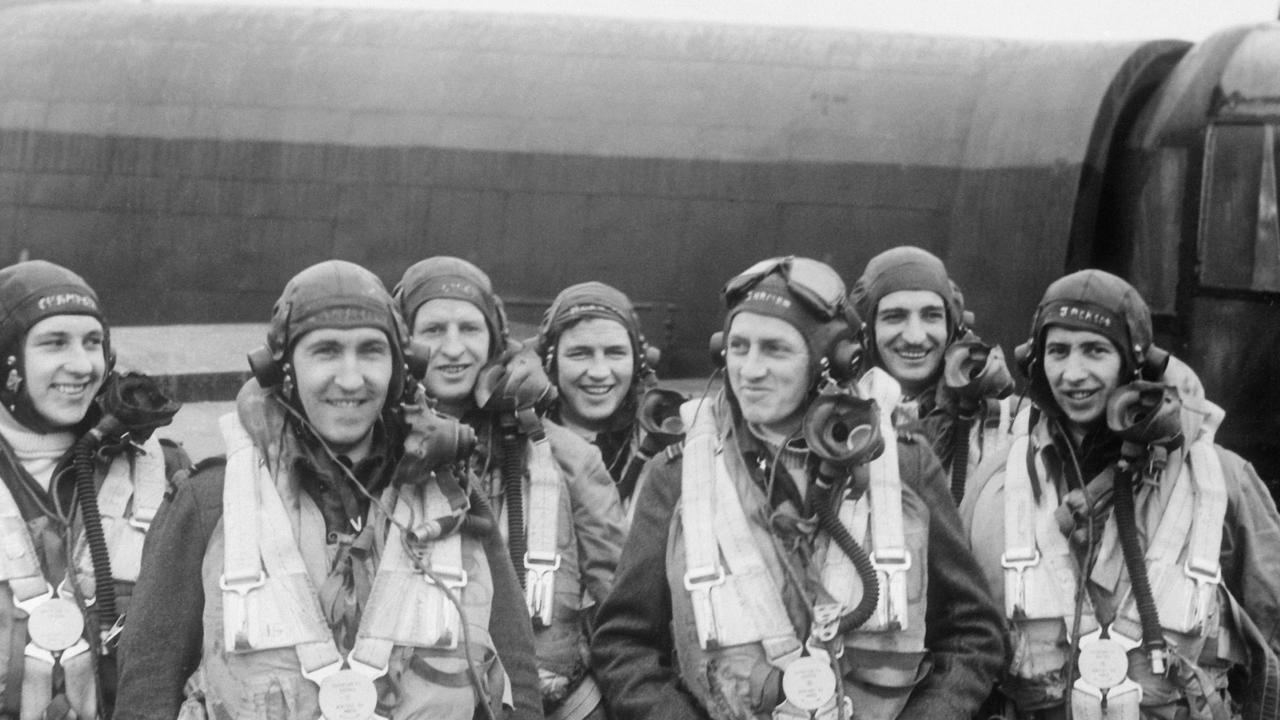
(815,284)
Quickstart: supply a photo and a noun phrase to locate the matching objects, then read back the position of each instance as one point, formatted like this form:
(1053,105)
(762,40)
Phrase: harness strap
(275,604)
(404,606)
(130,495)
(839,574)
(743,605)
(1039,574)
(889,554)
(1186,592)
(258,614)
(542,558)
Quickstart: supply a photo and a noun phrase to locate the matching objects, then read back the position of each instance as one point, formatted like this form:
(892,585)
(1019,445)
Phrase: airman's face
(64,363)
(767,361)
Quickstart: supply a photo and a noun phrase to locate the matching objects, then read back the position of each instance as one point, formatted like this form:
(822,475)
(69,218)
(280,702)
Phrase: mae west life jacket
(32,605)
(1182,558)
(265,631)
(736,622)
(553,587)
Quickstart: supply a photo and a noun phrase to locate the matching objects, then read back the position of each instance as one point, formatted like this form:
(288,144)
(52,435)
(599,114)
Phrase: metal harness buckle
(699,582)
(540,586)
(889,611)
(1206,585)
(1019,565)
(237,606)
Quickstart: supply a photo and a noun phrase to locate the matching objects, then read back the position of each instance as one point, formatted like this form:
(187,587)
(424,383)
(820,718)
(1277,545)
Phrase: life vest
(42,615)
(1182,558)
(265,634)
(553,585)
(735,613)
(131,493)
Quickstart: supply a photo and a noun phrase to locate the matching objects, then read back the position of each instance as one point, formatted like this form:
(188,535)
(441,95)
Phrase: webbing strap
(241,560)
(1204,550)
(839,575)
(18,559)
(889,554)
(279,607)
(542,524)
(702,555)
(130,495)
(268,598)
(1186,594)
(743,605)
(140,479)
(1039,579)
(405,607)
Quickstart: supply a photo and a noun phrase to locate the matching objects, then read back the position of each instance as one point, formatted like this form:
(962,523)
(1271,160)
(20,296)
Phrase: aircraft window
(1240,222)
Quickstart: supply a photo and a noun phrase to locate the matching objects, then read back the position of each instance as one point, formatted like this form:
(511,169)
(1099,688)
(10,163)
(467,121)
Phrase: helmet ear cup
(1024,356)
(1155,360)
(716,348)
(266,367)
(649,357)
(844,358)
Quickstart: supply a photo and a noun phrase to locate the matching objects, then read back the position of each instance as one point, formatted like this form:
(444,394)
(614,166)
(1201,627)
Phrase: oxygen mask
(517,387)
(1148,418)
(843,431)
(659,416)
(133,406)
(972,372)
(435,439)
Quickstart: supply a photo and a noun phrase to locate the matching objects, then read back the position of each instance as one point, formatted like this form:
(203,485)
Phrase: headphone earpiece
(1024,356)
(649,356)
(1154,363)
(266,367)
(549,361)
(417,356)
(716,348)
(843,359)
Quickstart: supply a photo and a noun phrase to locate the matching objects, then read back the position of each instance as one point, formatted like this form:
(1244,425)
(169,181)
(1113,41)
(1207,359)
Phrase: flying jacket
(589,541)
(25,687)
(1249,557)
(171,627)
(634,648)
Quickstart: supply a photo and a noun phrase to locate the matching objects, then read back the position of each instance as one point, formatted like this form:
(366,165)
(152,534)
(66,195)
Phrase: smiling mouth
(452,369)
(911,354)
(1079,395)
(71,388)
(596,390)
(346,403)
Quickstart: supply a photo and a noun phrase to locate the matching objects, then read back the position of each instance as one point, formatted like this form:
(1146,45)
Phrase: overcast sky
(1068,19)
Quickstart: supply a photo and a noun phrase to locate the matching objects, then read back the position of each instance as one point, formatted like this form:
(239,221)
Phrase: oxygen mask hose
(513,497)
(658,416)
(1147,416)
(972,372)
(1152,637)
(842,431)
(132,407)
(516,388)
(960,457)
(87,494)
(831,525)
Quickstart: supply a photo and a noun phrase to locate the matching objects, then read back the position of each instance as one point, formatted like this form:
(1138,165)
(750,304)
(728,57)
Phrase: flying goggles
(816,285)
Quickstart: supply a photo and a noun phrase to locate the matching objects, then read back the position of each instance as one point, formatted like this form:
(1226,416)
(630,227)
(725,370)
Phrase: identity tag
(1103,663)
(348,695)
(55,624)
(809,683)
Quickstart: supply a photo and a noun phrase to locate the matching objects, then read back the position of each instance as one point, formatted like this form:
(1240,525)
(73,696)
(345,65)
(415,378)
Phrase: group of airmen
(420,516)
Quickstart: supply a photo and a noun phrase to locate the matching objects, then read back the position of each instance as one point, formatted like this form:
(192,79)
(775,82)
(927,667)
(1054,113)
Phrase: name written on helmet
(53,302)
(1093,317)
(768,297)
(590,308)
